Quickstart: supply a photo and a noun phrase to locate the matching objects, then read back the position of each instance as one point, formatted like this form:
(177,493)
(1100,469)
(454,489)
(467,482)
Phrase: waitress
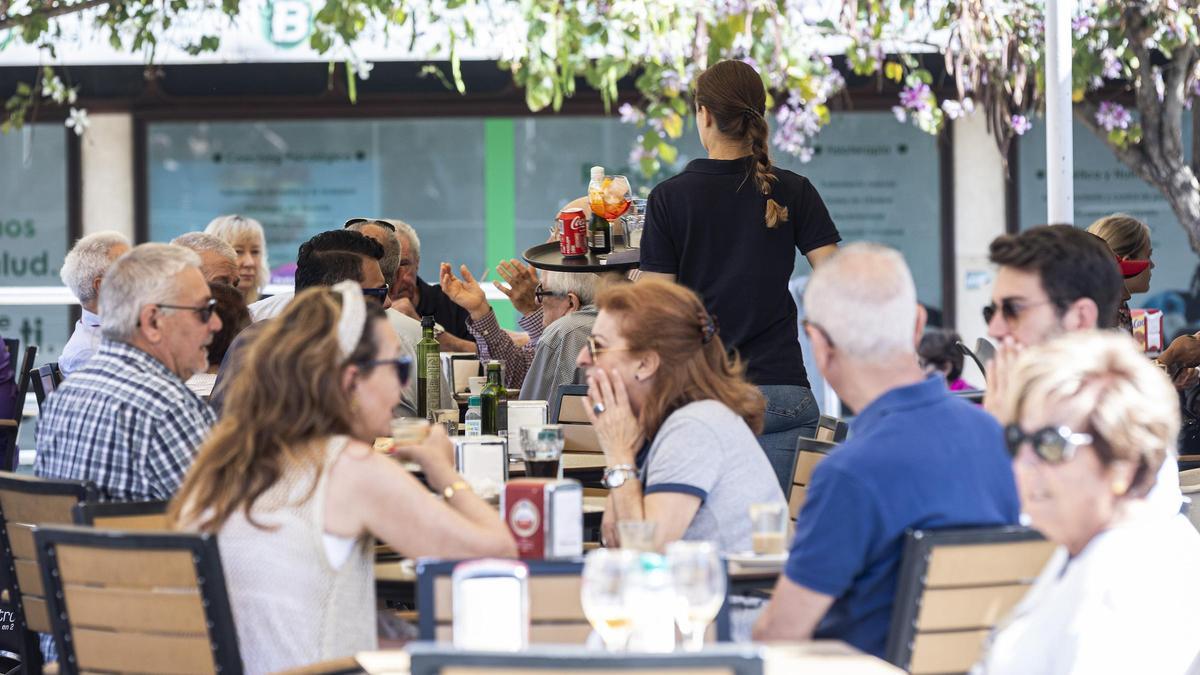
(726,228)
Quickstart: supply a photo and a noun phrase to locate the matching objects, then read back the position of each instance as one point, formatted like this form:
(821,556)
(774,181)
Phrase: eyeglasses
(819,328)
(594,350)
(379,294)
(205,311)
(540,294)
(403,366)
(1053,445)
(1010,309)
(373,221)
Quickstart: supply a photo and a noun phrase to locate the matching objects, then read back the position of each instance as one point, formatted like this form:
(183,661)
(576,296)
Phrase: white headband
(354,315)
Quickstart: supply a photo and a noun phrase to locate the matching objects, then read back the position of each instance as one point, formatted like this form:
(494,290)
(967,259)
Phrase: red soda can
(572,237)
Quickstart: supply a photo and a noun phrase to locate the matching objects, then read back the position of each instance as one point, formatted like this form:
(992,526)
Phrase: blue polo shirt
(918,458)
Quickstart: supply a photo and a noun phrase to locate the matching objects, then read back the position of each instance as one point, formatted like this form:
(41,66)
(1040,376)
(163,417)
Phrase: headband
(352,318)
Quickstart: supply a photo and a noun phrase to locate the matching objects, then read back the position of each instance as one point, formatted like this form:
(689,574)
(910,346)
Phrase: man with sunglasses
(126,420)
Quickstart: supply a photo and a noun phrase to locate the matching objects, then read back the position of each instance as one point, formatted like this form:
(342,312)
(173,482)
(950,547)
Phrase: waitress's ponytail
(760,172)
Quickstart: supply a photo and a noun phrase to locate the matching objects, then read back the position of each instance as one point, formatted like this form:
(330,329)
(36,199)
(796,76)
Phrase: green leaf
(351,83)
(668,152)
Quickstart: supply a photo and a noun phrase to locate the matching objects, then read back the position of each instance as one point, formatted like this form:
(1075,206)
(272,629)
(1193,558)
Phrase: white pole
(1060,198)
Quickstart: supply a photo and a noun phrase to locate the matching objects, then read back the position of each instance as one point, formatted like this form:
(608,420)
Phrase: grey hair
(144,276)
(233,228)
(390,262)
(864,298)
(201,242)
(87,261)
(407,231)
(582,284)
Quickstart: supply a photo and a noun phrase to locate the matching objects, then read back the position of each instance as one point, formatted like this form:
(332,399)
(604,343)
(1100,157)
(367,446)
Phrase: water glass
(637,535)
(602,594)
(409,430)
(768,527)
(542,445)
(699,580)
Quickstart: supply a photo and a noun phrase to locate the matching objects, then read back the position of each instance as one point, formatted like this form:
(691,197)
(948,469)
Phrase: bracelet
(455,487)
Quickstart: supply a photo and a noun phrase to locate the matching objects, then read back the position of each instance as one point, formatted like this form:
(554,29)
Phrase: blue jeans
(791,412)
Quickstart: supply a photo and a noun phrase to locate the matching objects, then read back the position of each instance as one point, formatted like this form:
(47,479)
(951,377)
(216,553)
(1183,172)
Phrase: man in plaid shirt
(126,421)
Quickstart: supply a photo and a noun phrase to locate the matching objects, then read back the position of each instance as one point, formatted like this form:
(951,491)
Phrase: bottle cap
(473,401)
(427,322)
(597,172)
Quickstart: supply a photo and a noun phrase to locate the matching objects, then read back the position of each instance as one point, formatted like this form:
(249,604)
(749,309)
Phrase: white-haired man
(83,272)
(218,260)
(126,421)
(411,295)
(917,458)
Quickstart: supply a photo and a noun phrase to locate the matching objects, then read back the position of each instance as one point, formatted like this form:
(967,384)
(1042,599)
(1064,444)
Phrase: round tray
(547,257)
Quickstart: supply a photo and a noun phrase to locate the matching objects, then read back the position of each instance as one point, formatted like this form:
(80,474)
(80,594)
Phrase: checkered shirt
(124,422)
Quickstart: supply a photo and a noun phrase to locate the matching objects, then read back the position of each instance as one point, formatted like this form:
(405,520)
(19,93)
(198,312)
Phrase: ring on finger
(598,408)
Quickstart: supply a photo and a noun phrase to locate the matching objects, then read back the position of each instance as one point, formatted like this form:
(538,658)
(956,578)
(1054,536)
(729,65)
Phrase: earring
(1120,487)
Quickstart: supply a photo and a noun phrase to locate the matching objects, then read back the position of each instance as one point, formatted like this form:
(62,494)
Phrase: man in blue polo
(917,457)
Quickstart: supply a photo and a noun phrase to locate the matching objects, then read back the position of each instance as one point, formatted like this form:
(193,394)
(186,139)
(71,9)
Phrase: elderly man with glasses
(557,314)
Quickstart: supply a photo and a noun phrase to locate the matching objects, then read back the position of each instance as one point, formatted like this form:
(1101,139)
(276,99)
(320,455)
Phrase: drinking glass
(637,535)
(409,430)
(698,577)
(542,445)
(602,594)
(611,200)
(768,527)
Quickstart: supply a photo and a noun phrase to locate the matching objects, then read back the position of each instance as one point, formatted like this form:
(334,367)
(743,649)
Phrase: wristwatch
(616,475)
(456,486)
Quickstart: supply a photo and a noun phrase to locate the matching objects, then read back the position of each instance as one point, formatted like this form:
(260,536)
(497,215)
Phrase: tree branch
(7,21)
(1175,79)
(1145,86)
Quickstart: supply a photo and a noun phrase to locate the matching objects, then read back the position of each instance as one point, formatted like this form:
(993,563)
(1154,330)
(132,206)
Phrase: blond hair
(1101,377)
(233,229)
(1125,235)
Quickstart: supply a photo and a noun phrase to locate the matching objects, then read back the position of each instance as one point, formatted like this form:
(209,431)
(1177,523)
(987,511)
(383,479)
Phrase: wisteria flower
(77,120)
(1021,124)
(1113,116)
(953,109)
(900,113)
(361,67)
(916,98)
(1112,64)
(630,114)
(1082,24)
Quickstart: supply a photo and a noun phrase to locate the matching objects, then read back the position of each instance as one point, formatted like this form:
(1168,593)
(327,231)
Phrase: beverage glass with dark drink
(542,445)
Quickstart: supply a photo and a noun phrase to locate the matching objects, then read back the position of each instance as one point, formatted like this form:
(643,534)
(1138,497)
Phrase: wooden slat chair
(441,659)
(27,502)
(44,380)
(831,429)
(809,453)
(953,587)
(555,611)
(148,516)
(137,602)
(567,409)
(10,427)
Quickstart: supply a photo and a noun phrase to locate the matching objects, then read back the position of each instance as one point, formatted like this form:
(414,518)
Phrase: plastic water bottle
(474,418)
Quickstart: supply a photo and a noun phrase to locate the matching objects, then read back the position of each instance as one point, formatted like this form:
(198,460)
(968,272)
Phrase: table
(585,467)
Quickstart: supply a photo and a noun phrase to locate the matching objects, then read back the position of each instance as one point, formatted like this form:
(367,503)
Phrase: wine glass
(698,577)
(611,200)
(602,594)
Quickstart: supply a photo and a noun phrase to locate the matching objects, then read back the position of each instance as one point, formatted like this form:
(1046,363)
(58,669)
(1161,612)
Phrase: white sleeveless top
(292,607)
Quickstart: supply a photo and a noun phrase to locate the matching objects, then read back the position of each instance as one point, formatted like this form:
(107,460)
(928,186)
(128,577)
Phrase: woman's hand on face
(617,428)
(434,450)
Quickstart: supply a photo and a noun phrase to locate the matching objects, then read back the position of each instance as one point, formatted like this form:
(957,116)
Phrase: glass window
(34,232)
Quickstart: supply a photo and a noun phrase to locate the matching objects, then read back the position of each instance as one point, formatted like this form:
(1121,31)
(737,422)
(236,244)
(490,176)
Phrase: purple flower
(1112,64)
(915,98)
(1082,24)
(1113,116)
(900,113)
(630,114)
(1020,124)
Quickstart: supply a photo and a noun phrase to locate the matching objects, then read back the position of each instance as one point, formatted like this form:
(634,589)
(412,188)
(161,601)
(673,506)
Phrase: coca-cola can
(572,237)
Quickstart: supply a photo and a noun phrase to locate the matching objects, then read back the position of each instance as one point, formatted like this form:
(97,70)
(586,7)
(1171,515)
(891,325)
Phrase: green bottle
(495,402)
(429,371)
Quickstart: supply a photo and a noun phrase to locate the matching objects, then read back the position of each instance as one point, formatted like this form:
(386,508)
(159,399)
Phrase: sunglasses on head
(205,311)
(373,221)
(403,366)
(1010,309)
(1053,445)
(376,293)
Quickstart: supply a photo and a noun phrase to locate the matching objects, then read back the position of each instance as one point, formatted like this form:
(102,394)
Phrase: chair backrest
(809,453)
(10,427)
(954,585)
(44,382)
(462,368)
(443,659)
(831,429)
(27,502)
(567,409)
(137,602)
(128,516)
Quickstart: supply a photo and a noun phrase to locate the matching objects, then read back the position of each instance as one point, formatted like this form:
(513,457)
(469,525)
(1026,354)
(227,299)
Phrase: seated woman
(290,483)
(675,418)
(1094,422)
(939,353)
(231,308)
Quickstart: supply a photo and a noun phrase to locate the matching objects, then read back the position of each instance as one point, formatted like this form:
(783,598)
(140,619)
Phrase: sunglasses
(403,366)
(373,221)
(205,311)
(379,294)
(540,293)
(1053,445)
(1010,309)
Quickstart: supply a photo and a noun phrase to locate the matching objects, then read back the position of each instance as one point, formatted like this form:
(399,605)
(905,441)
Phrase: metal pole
(1060,197)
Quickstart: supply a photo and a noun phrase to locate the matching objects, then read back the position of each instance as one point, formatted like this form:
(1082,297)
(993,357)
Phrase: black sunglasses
(403,366)
(377,293)
(1010,309)
(1053,445)
(540,294)
(205,311)
(373,221)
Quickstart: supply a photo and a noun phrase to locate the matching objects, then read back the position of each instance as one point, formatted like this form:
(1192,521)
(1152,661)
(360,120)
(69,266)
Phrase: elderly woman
(246,237)
(1094,422)
(675,418)
(291,484)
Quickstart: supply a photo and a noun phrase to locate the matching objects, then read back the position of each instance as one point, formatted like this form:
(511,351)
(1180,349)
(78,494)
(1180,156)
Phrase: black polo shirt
(707,226)
(437,304)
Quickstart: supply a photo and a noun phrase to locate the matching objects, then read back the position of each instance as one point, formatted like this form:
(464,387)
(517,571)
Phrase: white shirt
(83,345)
(269,308)
(1126,604)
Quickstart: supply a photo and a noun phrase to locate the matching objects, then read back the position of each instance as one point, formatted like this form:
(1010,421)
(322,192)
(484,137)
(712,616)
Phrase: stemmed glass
(605,573)
(698,576)
(612,200)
